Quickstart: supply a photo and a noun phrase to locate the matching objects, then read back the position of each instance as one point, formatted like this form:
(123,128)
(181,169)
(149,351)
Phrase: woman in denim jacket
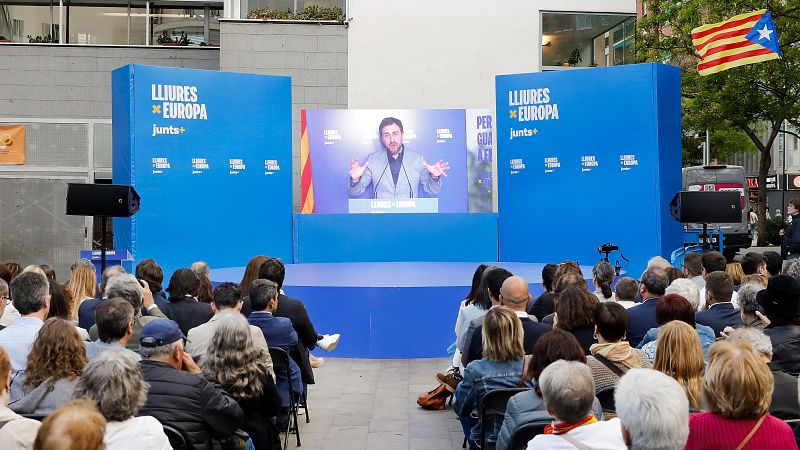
(501,367)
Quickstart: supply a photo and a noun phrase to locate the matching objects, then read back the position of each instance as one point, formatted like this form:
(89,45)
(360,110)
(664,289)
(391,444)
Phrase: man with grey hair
(30,292)
(653,410)
(792,268)
(642,317)
(748,305)
(515,295)
(87,309)
(180,395)
(227,300)
(568,394)
(784,396)
(126,287)
(687,289)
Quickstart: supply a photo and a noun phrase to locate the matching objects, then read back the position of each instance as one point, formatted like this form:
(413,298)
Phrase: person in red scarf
(568,393)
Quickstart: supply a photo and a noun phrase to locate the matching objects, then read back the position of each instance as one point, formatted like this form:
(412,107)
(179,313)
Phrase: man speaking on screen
(395,172)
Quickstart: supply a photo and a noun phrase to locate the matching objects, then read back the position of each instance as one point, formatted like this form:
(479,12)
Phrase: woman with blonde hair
(82,286)
(734,269)
(737,389)
(679,355)
(502,366)
(233,360)
(56,360)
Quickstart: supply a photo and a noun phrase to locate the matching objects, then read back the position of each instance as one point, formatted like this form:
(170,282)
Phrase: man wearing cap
(781,304)
(180,395)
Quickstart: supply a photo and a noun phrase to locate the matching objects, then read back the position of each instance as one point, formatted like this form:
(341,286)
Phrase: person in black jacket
(790,247)
(781,303)
(234,361)
(183,306)
(180,395)
(543,305)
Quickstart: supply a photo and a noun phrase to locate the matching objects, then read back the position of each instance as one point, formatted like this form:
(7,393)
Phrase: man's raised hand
(357,170)
(437,170)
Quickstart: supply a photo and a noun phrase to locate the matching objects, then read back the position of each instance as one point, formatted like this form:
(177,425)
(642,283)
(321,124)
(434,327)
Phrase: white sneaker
(328,342)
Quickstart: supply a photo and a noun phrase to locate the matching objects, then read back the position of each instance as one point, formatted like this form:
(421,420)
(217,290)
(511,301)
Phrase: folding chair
(494,403)
(176,439)
(606,398)
(281,362)
(523,435)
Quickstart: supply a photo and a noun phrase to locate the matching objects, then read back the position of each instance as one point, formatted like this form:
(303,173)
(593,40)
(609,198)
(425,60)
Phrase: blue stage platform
(387,309)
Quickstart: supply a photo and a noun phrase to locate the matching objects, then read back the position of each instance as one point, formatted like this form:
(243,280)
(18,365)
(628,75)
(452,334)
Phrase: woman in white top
(468,309)
(603,274)
(16,432)
(115,383)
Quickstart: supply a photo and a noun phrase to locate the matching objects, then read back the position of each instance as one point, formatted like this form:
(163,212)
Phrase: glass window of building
(587,40)
(105,25)
(24,23)
(181,26)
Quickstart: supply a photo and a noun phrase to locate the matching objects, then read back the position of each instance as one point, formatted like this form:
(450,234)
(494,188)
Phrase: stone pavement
(371,404)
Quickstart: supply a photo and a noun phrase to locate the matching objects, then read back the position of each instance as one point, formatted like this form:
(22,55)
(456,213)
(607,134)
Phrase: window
(586,40)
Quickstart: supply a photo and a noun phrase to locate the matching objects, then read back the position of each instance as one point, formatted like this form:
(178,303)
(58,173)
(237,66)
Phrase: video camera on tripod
(605,249)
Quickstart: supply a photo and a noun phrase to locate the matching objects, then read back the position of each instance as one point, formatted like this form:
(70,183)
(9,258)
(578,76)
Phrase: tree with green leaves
(747,103)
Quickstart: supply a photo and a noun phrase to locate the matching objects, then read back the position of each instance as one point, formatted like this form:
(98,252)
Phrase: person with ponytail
(603,274)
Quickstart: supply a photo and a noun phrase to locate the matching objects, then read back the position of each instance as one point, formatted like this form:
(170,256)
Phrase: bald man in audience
(514,294)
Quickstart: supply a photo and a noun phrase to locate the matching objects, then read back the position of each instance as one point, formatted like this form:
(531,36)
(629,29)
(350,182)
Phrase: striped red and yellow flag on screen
(743,39)
(306,182)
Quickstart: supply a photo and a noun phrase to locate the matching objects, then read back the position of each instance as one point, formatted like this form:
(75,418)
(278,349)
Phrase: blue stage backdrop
(210,154)
(587,157)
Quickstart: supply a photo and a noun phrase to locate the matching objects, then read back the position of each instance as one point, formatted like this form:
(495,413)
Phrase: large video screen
(396,161)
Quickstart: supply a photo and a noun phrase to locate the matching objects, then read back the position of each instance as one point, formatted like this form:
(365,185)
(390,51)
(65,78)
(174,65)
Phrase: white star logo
(765,33)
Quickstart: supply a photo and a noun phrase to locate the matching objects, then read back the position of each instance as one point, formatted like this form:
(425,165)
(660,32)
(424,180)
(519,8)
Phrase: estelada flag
(306,180)
(743,39)
(12,144)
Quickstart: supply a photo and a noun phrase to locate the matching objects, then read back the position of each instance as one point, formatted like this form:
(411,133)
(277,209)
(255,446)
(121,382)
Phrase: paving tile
(387,440)
(388,425)
(431,444)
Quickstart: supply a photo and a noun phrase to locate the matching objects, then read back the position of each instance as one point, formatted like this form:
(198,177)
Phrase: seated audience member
(602,276)
(543,305)
(784,404)
(14,270)
(151,273)
(652,410)
(49,272)
(781,304)
(774,263)
(86,310)
(183,306)
(748,305)
(755,279)
(568,393)
(60,305)
(17,433)
(30,293)
(488,297)
(714,262)
(753,263)
(115,384)
(737,388)
(501,367)
(5,296)
(227,300)
(115,321)
(678,354)
(575,313)
(674,307)
(720,312)
(527,407)
(75,426)
(126,287)
(792,268)
(625,292)
(278,332)
(642,317)
(469,309)
(55,362)
(179,394)
(237,364)
(686,289)
(736,273)
(568,273)
(612,356)
(206,292)
(250,275)
(693,269)
(514,295)
(5,273)
(658,262)
(82,287)
(673,273)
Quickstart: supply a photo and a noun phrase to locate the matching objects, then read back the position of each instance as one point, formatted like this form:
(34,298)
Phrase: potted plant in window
(166,39)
